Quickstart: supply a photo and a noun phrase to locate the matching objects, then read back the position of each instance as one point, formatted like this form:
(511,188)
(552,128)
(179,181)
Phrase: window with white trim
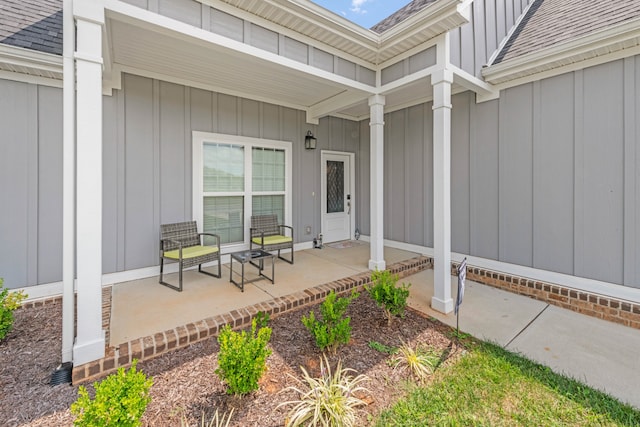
(236,177)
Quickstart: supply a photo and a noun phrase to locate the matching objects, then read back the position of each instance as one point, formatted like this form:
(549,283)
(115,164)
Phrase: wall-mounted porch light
(309,141)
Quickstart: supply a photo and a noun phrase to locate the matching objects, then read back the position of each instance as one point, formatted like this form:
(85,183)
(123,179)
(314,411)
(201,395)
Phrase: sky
(365,13)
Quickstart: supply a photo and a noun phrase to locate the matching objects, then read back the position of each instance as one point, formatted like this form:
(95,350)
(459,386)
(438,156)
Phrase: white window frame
(198,141)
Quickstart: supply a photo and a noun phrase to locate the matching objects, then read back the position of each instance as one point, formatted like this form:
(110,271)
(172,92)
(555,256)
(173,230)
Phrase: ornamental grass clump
(392,298)
(9,302)
(242,358)
(330,400)
(216,421)
(418,361)
(120,400)
(333,327)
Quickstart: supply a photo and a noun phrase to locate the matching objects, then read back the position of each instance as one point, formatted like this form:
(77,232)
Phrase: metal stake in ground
(462,275)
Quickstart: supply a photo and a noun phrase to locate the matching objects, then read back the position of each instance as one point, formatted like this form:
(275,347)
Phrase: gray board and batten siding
(30,184)
(547,176)
(148,153)
(490,21)
(408,66)
(147,171)
(219,22)
(471,45)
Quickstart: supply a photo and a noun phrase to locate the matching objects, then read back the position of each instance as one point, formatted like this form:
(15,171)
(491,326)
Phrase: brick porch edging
(602,307)
(182,336)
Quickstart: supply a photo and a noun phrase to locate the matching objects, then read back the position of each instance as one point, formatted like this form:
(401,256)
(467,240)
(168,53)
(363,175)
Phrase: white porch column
(69,183)
(441,81)
(90,339)
(376,173)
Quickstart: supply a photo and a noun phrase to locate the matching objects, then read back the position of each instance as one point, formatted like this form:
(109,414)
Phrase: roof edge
(30,62)
(600,43)
(424,18)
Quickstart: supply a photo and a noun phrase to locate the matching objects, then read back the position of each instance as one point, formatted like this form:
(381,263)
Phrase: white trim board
(625,293)
(28,78)
(54,289)
(607,289)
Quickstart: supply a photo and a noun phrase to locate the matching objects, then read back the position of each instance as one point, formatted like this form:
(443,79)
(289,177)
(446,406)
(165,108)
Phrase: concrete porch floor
(599,353)
(143,307)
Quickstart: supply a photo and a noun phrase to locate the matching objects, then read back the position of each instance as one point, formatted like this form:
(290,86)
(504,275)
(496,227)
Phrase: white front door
(338,177)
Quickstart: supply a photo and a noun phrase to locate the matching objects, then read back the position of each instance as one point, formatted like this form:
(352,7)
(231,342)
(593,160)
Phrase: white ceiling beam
(336,103)
(484,91)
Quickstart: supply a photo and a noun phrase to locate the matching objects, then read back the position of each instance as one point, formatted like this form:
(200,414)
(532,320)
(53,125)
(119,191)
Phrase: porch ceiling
(182,54)
(194,62)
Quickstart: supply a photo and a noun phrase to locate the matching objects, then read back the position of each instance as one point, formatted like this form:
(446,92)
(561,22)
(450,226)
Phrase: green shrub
(120,400)
(386,295)
(330,400)
(243,357)
(9,302)
(262,318)
(333,328)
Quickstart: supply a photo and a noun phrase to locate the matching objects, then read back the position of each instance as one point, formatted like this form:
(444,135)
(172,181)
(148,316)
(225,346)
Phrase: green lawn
(489,386)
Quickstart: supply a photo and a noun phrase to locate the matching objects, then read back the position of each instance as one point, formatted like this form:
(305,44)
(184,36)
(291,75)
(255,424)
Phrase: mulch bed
(185,385)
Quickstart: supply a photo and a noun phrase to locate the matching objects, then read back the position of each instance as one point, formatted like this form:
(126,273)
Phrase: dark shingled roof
(412,8)
(32,24)
(549,22)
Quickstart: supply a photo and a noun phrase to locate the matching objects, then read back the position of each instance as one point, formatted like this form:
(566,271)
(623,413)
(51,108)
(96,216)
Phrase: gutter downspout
(68,183)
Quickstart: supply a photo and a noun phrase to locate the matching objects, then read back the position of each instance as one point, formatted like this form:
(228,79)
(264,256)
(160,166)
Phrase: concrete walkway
(599,353)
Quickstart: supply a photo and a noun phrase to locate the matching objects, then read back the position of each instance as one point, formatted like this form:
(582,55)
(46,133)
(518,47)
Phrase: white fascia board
(157,23)
(610,39)
(28,78)
(46,63)
(437,12)
(311,11)
(603,59)
(370,42)
(315,14)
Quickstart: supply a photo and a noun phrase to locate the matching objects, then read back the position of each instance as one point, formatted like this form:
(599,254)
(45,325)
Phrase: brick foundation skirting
(607,308)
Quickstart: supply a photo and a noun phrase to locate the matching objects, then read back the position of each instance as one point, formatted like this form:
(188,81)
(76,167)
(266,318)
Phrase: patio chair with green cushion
(268,235)
(181,242)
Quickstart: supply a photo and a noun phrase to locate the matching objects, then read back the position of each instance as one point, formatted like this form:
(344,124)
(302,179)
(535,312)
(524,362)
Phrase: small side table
(244,257)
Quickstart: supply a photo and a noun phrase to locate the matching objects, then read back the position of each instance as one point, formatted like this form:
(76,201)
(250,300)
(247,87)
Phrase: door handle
(349,207)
